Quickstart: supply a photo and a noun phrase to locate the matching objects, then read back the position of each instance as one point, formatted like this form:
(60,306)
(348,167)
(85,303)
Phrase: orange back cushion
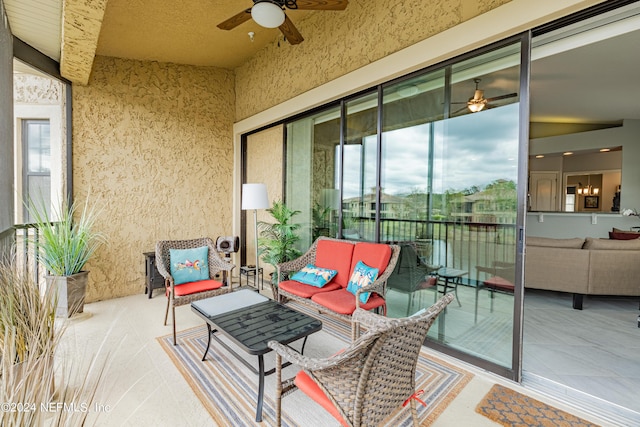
(375,255)
(335,256)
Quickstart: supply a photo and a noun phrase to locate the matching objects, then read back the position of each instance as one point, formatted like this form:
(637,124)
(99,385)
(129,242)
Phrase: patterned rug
(510,408)
(228,390)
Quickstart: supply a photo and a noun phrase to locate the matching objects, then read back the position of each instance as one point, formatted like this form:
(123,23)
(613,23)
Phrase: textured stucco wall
(264,164)
(339,42)
(153,147)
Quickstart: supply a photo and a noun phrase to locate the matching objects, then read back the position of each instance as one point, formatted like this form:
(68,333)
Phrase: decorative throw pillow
(363,275)
(314,276)
(189,265)
(615,235)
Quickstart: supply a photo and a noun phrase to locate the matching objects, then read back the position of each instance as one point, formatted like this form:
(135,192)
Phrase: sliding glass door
(428,162)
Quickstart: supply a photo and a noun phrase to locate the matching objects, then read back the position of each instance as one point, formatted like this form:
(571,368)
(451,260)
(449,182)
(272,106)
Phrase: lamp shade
(254,196)
(267,14)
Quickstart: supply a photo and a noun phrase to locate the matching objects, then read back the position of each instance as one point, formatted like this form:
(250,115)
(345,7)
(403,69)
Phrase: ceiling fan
(270,14)
(478,102)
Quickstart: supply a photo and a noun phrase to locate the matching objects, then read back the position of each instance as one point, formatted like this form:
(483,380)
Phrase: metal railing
(21,244)
(460,245)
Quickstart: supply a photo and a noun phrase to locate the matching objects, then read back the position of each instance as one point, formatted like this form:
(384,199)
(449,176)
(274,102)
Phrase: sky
(469,150)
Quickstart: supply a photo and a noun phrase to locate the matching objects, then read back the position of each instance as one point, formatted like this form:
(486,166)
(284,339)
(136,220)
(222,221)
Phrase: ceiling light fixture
(567,153)
(267,14)
(476,105)
(605,150)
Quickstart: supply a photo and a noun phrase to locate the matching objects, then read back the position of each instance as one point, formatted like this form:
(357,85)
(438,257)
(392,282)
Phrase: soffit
(37,23)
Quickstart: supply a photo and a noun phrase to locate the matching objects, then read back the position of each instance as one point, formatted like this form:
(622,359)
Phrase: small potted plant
(65,245)
(277,241)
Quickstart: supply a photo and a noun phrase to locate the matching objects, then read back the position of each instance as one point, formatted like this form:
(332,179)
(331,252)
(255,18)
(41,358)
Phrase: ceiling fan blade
(235,20)
(497,98)
(321,4)
(455,113)
(290,31)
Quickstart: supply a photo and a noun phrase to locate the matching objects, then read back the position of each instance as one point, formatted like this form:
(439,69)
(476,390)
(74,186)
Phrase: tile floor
(142,387)
(588,357)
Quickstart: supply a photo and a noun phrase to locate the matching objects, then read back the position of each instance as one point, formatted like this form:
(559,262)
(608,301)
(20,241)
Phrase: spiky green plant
(66,245)
(277,240)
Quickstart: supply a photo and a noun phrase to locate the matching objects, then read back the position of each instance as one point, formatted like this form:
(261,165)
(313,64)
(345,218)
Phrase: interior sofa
(583,266)
(335,296)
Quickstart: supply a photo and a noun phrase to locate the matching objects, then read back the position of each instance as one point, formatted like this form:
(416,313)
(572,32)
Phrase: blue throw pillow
(363,275)
(314,276)
(189,265)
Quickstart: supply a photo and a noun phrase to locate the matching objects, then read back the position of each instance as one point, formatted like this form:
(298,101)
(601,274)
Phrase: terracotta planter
(70,292)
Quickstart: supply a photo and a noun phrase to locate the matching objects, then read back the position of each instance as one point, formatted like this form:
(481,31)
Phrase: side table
(451,278)
(152,277)
(250,270)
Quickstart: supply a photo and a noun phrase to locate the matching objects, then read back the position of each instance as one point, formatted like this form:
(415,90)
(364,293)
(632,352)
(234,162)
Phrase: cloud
(470,150)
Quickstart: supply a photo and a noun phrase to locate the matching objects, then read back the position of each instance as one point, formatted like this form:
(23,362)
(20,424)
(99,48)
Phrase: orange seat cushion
(335,256)
(306,291)
(195,287)
(376,255)
(311,389)
(344,302)
(497,282)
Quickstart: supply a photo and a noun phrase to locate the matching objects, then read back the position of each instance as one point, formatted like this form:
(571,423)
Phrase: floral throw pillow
(363,275)
(314,276)
(189,265)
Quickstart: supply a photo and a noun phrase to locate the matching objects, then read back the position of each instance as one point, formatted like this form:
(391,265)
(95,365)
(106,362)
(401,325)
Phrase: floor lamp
(254,196)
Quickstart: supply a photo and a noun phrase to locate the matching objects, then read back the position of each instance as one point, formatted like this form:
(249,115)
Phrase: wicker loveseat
(341,255)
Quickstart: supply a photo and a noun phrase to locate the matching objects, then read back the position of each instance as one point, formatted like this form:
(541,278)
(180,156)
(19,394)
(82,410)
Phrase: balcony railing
(460,245)
(21,243)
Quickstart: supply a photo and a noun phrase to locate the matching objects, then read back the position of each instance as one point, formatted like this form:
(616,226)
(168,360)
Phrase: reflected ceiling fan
(271,14)
(478,102)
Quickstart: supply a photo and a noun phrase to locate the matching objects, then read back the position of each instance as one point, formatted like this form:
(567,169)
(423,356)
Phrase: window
(36,165)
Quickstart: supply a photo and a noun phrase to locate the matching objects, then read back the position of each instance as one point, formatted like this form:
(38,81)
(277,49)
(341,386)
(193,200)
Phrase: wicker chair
(369,380)
(411,275)
(184,295)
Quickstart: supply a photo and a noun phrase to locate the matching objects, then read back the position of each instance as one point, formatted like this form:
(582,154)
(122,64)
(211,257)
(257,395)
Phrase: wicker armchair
(187,294)
(369,380)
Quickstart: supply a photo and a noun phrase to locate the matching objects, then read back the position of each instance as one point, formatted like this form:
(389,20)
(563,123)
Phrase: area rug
(228,390)
(510,408)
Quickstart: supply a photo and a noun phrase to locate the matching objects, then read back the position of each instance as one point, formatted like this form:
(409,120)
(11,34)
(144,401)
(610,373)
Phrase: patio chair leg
(173,316)
(414,413)
(166,312)
(278,389)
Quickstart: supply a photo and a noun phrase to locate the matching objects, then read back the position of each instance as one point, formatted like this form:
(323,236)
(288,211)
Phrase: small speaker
(228,244)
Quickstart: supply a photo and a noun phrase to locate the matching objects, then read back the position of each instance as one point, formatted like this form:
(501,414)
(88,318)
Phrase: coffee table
(250,321)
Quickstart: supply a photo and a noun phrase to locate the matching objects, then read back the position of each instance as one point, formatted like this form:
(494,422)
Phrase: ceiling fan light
(267,14)
(475,107)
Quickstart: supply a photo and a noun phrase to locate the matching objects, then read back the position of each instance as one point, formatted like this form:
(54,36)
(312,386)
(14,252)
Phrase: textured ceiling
(183,32)
(597,83)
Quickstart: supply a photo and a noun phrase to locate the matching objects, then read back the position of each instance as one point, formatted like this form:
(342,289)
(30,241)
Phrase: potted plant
(30,337)
(277,241)
(64,246)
